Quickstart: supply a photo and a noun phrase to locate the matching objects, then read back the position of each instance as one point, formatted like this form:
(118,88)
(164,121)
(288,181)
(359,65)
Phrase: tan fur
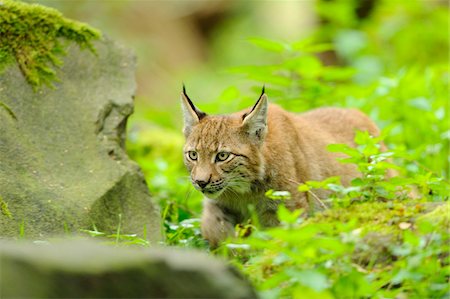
(276,151)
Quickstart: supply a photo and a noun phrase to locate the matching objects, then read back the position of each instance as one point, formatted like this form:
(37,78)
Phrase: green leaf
(331,73)
(343,148)
(307,66)
(421,103)
(286,216)
(313,279)
(301,292)
(268,45)
(370,149)
(304,188)
(318,48)
(362,137)
(229,94)
(278,195)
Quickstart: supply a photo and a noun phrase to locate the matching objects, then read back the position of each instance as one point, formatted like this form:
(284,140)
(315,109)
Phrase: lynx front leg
(215,225)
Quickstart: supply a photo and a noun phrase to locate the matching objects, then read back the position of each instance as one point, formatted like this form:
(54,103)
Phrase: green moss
(440,216)
(388,217)
(4,208)
(383,225)
(35,37)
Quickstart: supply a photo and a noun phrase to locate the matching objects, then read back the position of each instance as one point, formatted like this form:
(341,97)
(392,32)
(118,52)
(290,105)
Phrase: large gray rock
(62,161)
(80,269)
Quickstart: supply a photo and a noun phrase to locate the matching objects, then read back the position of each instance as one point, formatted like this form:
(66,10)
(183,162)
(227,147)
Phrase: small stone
(404,225)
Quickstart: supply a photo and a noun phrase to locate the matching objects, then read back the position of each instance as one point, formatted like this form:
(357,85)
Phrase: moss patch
(389,217)
(35,37)
(383,225)
(440,216)
(4,208)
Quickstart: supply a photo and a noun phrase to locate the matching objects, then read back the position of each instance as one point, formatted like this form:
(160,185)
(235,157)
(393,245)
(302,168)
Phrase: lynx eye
(222,156)
(192,155)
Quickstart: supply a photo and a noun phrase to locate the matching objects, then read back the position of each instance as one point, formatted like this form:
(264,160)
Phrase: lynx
(234,159)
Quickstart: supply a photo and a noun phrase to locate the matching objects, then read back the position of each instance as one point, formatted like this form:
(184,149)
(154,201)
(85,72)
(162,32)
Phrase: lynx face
(223,153)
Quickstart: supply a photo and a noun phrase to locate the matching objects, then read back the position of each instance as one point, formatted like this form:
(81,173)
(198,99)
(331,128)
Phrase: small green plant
(4,208)
(374,165)
(118,237)
(185,234)
(380,179)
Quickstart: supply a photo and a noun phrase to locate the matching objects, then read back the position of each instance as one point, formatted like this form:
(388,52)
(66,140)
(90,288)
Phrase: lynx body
(234,159)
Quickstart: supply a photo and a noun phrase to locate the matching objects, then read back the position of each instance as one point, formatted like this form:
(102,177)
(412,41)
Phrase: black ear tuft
(187,97)
(257,102)
(199,113)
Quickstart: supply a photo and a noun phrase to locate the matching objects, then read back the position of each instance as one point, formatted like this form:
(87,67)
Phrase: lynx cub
(234,159)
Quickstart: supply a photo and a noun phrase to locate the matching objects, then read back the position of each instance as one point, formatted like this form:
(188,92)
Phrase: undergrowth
(381,236)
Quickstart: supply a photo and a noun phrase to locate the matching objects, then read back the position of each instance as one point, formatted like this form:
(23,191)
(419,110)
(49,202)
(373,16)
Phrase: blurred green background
(197,42)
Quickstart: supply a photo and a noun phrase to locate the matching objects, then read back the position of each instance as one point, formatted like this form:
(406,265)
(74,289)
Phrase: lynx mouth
(212,193)
(211,190)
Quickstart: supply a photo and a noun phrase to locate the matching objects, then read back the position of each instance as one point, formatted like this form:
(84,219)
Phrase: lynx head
(223,153)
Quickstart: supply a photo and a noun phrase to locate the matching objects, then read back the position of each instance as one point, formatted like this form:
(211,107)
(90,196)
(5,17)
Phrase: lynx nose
(202,184)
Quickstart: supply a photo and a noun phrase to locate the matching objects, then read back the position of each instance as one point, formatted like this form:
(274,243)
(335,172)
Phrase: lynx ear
(192,115)
(255,122)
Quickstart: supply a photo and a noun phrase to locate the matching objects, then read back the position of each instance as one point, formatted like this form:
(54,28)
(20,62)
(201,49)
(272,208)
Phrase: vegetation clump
(4,208)
(35,37)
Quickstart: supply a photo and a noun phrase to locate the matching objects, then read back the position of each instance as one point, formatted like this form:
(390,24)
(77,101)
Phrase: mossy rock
(36,37)
(63,164)
(381,225)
